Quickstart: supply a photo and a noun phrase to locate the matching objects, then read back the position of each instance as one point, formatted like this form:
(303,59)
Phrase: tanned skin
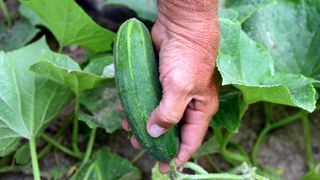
(186,36)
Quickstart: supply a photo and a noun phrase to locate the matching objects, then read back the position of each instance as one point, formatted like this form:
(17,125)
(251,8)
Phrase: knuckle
(189,150)
(168,119)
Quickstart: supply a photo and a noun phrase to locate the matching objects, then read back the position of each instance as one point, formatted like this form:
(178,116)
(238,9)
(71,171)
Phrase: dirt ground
(282,149)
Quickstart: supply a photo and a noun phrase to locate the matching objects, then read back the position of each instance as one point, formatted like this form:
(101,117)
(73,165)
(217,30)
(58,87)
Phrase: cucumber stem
(60,147)
(4,9)
(197,169)
(57,137)
(269,127)
(89,146)
(75,129)
(212,164)
(307,139)
(138,156)
(34,159)
(228,155)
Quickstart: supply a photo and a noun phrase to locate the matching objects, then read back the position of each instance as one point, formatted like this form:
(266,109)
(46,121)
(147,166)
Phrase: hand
(186,35)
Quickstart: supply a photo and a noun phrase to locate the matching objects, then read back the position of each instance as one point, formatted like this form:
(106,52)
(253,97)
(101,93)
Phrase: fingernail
(156,130)
(164,169)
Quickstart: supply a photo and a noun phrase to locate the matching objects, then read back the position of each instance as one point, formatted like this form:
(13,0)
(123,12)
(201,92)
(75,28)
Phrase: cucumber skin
(137,80)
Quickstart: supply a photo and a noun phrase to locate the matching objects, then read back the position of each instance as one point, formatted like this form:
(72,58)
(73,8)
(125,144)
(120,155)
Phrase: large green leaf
(146,9)
(27,101)
(249,67)
(16,36)
(102,103)
(28,14)
(228,115)
(108,166)
(70,24)
(290,30)
(64,70)
(240,10)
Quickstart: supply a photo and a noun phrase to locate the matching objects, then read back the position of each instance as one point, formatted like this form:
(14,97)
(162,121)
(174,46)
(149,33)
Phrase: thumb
(167,114)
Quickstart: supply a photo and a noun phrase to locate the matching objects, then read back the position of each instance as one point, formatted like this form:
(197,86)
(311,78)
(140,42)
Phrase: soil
(282,149)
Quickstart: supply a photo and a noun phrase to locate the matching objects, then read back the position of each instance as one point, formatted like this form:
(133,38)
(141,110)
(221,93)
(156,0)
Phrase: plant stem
(269,127)
(13,168)
(57,137)
(173,170)
(89,146)
(137,157)
(240,149)
(218,134)
(268,112)
(34,159)
(60,50)
(212,164)
(256,146)
(243,108)
(75,129)
(228,154)
(307,139)
(213,177)
(4,9)
(197,169)
(60,147)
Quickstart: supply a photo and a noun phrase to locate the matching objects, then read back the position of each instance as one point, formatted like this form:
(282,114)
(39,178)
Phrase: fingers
(135,143)
(192,134)
(125,125)
(168,113)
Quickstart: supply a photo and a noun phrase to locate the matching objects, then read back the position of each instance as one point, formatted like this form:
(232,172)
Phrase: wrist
(194,22)
(192,10)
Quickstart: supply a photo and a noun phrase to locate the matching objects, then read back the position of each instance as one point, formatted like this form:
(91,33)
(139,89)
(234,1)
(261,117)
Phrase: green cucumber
(137,80)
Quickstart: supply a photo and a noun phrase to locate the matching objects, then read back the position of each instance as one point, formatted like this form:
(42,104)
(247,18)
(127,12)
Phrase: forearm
(189,9)
(193,21)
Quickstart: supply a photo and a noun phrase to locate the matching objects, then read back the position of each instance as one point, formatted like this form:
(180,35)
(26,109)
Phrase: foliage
(72,25)
(269,51)
(146,9)
(106,165)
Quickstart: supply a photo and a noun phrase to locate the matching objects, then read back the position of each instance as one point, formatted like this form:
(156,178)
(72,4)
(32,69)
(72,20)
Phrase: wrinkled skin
(186,35)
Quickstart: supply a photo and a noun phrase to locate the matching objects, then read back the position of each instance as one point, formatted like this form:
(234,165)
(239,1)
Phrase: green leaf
(88,120)
(102,103)
(28,102)
(292,38)
(22,155)
(313,174)
(248,66)
(106,165)
(157,175)
(64,70)
(16,36)
(228,115)
(209,147)
(9,142)
(71,25)
(29,15)
(97,65)
(240,10)
(146,9)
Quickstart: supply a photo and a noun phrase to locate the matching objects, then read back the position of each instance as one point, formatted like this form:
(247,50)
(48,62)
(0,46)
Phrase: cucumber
(137,80)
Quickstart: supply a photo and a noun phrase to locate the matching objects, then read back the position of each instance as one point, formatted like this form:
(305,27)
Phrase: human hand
(186,35)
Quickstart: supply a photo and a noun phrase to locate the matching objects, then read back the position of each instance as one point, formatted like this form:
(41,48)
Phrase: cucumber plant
(259,59)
